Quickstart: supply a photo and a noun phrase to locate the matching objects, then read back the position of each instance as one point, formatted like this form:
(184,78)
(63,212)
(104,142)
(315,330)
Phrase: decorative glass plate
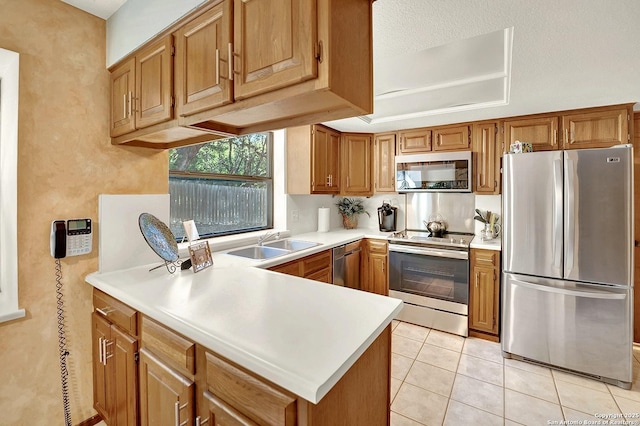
(159,237)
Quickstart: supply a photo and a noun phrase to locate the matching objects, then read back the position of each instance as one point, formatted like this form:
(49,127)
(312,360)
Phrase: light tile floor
(442,379)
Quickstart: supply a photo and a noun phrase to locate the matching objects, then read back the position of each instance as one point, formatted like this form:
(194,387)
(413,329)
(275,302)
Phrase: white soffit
(100,8)
(458,76)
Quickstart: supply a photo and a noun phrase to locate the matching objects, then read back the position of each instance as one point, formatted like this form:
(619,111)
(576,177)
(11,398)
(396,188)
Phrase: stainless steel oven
(431,275)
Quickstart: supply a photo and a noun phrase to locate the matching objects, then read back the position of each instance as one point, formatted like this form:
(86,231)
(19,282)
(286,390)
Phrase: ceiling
(439,62)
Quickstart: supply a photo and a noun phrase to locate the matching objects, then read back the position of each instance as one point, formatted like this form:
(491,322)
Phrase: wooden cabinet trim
(175,349)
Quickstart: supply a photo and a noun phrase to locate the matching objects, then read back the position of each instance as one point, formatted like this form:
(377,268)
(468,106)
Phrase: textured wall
(65,160)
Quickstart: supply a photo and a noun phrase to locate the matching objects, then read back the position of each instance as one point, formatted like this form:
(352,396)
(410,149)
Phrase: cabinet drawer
(377,246)
(323,275)
(316,262)
(173,348)
(486,257)
(116,312)
(291,268)
(256,399)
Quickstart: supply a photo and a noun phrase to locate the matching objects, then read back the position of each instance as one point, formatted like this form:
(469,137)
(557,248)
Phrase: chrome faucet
(268,236)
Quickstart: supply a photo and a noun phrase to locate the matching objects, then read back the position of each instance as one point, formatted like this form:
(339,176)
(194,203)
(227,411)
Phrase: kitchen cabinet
(486,158)
(356,167)
(451,138)
(384,151)
(375,267)
(317,267)
(313,160)
(484,294)
(115,352)
(142,89)
(289,65)
(167,373)
(601,128)
(414,141)
(540,131)
(202,61)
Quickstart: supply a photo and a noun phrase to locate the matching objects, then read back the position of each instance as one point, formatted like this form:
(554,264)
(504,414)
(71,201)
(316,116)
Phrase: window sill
(231,241)
(11,314)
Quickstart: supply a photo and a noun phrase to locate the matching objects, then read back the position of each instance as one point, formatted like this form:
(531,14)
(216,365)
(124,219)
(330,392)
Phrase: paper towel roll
(323,219)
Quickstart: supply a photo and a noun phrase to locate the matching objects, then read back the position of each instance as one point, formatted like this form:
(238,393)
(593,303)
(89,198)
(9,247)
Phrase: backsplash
(455,208)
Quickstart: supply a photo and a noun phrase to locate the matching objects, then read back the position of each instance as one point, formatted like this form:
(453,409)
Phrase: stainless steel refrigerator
(567,294)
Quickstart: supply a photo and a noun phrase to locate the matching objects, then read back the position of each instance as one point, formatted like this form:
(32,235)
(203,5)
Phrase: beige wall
(65,160)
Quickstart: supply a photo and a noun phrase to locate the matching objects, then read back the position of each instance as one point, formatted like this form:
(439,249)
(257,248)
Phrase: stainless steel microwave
(434,172)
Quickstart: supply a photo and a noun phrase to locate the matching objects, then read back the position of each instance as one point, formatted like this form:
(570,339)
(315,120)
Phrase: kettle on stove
(436,225)
(387,217)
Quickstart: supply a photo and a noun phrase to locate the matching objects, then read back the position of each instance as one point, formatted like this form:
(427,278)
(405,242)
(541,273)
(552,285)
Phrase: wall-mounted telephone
(71,237)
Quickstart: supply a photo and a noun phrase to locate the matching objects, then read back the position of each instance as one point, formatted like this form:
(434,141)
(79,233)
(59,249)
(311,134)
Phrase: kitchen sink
(259,252)
(291,245)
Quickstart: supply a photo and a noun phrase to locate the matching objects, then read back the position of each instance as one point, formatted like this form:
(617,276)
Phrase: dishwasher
(346,265)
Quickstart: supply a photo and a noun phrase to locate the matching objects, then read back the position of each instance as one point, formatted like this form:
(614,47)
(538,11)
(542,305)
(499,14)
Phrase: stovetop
(416,237)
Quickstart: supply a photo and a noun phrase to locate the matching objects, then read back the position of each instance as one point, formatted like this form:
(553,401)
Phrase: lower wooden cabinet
(375,276)
(317,267)
(484,293)
(115,368)
(166,396)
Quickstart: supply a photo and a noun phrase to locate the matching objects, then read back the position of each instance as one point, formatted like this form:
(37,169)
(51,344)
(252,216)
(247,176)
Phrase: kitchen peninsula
(260,346)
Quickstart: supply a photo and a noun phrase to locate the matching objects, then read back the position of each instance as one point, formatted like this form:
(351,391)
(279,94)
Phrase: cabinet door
(482,312)
(486,159)
(599,129)
(356,164)
(275,44)
(123,84)
(451,138)
(384,151)
(154,84)
(102,371)
(378,271)
(219,413)
(166,397)
(122,355)
(202,71)
(325,161)
(415,141)
(541,132)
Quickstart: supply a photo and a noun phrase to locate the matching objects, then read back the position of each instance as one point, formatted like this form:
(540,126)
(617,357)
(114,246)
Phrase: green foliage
(351,206)
(246,155)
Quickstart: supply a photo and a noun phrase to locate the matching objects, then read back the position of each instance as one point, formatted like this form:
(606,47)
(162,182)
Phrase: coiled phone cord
(62,346)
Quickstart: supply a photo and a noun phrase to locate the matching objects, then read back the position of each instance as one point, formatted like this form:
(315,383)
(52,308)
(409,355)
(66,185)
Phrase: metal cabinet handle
(177,408)
(105,355)
(104,351)
(100,350)
(105,312)
(230,60)
(124,105)
(217,67)
(201,422)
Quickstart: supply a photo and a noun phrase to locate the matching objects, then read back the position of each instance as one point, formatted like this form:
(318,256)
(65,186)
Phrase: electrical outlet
(295,215)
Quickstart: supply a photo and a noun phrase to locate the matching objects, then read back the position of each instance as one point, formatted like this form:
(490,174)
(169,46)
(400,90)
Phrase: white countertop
(302,335)
(495,244)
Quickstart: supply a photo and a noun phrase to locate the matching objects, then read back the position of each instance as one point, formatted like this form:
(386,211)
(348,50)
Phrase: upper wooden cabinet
(313,160)
(451,138)
(384,151)
(486,158)
(295,63)
(274,45)
(202,61)
(414,141)
(598,129)
(356,164)
(142,89)
(541,132)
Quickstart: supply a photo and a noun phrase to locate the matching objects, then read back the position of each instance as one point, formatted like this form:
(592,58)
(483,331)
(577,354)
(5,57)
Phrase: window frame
(269,180)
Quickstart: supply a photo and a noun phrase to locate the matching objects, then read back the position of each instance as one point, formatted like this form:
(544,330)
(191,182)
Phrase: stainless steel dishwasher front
(346,265)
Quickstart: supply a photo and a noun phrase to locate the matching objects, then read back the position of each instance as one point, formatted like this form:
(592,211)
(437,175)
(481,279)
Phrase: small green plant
(351,206)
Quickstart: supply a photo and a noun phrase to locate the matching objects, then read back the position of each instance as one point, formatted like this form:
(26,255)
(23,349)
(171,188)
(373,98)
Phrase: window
(225,186)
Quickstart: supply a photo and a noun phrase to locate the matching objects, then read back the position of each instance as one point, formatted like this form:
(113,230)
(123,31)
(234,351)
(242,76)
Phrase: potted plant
(350,208)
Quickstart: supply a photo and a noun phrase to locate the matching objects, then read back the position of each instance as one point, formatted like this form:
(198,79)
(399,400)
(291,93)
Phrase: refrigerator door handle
(570,219)
(557,213)
(566,292)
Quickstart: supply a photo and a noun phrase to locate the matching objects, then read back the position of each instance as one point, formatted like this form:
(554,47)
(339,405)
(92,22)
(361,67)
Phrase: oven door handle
(426,251)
